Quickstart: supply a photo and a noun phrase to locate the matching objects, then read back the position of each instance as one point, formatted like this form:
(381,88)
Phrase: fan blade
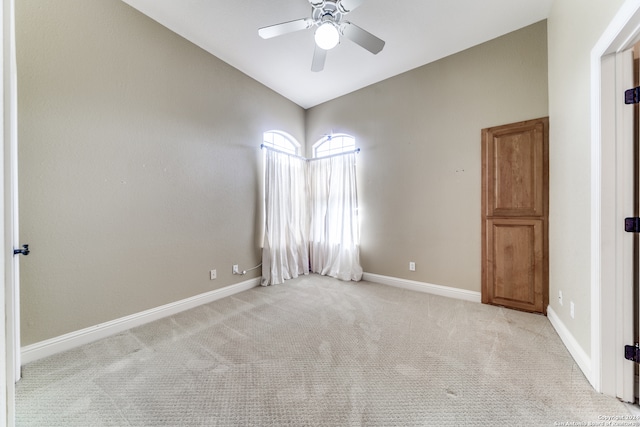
(361,37)
(285,28)
(347,6)
(319,56)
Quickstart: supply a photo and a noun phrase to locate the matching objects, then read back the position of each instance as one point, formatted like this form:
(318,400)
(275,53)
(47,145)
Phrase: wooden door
(515,209)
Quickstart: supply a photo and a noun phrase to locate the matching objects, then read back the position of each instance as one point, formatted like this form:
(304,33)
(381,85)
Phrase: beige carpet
(319,352)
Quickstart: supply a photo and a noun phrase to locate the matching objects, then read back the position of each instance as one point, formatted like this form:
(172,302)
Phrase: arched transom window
(281,141)
(334,144)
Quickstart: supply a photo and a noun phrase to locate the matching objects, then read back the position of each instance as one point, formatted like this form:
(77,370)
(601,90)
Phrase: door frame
(9,327)
(611,322)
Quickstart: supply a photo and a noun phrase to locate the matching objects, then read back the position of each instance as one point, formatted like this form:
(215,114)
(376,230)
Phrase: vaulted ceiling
(416,33)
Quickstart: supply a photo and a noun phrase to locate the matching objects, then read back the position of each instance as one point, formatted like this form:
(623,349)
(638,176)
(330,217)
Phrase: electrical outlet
(560,297)
(572,310)
(235,269)
(412,266)
(213,275)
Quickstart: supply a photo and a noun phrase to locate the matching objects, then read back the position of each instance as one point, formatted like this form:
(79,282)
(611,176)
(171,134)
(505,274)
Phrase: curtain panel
(311,214)
(334,235)
(285,254)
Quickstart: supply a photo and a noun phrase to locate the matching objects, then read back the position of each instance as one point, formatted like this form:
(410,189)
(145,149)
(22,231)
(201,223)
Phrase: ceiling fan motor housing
(326,11)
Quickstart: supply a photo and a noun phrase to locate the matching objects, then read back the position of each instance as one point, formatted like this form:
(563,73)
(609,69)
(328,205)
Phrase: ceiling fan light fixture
(327,36)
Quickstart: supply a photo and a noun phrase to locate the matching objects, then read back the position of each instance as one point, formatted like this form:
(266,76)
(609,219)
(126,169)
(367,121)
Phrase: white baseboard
(444,291)
(581,358)
(75,339)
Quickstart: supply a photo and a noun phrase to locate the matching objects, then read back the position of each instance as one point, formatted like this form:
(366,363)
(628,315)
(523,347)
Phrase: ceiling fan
(327,16)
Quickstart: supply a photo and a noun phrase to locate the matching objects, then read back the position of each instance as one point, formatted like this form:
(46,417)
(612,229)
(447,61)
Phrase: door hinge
(632,96)
(632,352)
(632,225)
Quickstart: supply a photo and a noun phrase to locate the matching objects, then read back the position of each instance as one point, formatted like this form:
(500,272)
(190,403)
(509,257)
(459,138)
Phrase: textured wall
(139,164)
(420,166)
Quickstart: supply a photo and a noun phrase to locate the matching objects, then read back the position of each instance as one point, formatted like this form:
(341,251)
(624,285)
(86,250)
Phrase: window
(334,144)
(281,141)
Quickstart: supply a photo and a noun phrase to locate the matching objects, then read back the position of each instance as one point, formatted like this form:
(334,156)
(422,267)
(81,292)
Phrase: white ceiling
(416,32)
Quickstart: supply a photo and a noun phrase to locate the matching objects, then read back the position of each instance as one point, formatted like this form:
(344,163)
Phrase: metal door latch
(24,251)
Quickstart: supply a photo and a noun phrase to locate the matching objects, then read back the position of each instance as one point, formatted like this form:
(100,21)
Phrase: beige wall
(419,169)
(139,167)
(574,28)
(138,164)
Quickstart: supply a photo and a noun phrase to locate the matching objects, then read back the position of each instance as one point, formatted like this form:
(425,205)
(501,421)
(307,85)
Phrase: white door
(626,207)
(612,196)
(616,246)
(9,300)
(11,219)
(11,222)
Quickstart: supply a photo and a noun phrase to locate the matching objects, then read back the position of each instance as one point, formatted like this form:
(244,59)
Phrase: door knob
(24,251)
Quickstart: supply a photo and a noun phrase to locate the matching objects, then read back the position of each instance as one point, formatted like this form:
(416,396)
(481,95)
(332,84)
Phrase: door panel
(515,175)
(515,263)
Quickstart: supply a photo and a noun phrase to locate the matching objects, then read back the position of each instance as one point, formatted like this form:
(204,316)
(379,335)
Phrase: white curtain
(311,218)
(334,234)
(286,246)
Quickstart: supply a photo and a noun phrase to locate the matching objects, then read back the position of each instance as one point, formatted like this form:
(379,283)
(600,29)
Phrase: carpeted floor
(319,352)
